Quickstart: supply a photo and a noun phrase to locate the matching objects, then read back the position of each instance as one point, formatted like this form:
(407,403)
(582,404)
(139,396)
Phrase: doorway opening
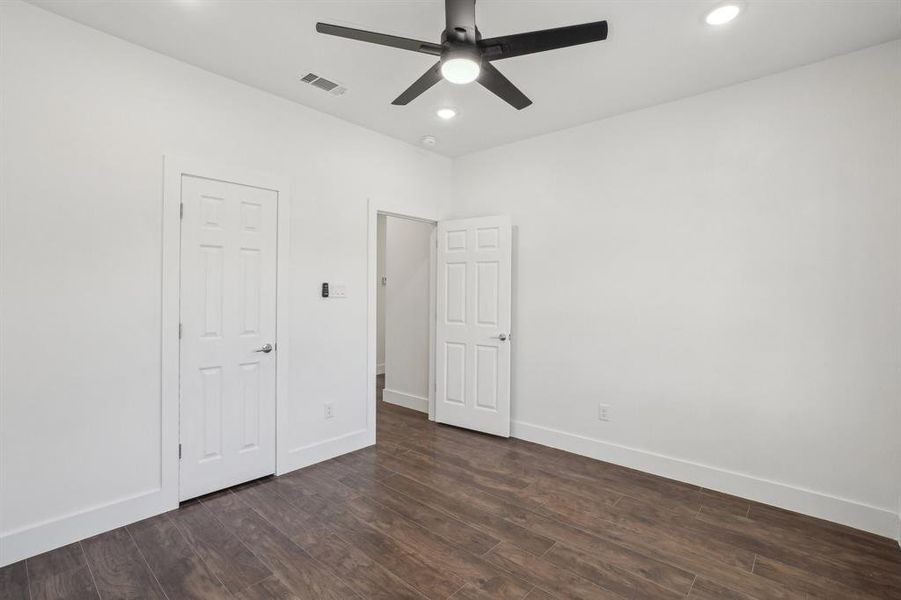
(470,309)
(404,305)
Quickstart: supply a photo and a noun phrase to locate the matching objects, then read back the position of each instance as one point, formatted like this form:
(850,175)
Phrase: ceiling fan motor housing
(461,35)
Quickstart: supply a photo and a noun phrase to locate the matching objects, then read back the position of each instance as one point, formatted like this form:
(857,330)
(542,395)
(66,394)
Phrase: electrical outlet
(339,290)
(329,410)
(603,412)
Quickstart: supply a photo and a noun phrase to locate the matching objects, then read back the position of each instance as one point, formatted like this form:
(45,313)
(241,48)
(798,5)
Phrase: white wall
(407,265)
(382,230)
(725,272)
(85,120)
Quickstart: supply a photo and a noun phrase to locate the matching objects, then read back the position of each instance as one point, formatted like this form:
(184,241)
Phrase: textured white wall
(85,120)
(407,264)
(725,272)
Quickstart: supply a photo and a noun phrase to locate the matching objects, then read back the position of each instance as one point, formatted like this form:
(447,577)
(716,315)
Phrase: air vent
(324,84)
(335,89)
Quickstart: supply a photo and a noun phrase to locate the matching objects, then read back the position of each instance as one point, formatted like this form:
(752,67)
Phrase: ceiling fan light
(460,70)
(722,14)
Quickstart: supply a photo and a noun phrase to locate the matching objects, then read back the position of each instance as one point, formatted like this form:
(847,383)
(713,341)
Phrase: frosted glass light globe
(460,70)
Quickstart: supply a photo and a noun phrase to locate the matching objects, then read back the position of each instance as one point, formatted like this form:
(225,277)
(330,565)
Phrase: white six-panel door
(227,313)
(472,354)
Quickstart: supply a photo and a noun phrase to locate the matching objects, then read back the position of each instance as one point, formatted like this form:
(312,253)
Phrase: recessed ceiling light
(429,140)
(722,14)
(446,113)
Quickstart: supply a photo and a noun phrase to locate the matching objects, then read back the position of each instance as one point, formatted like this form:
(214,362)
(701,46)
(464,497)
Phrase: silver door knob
(502,337)
(267,348)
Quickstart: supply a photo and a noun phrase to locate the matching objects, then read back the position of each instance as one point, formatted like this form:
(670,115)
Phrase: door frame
(375,210)
(174,167)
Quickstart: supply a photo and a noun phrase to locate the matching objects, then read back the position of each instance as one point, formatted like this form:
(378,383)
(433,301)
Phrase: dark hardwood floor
(437,512)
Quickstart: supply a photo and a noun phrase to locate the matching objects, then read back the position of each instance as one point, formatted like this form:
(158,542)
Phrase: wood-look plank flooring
(435,512)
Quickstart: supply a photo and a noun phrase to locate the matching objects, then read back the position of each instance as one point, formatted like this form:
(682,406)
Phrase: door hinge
(179,452)
(179,330)
(181,210)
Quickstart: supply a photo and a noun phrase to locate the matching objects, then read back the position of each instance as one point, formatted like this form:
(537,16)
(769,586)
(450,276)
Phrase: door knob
(267,348)
(502,337)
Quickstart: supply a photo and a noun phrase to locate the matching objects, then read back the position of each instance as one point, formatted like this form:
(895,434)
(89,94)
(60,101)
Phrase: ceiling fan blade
(518,44)
(494,81)
(460,14)
(428,79)
(382,39)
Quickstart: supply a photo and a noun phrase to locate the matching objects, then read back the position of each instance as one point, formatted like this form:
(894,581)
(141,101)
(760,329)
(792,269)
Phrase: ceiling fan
(465,57)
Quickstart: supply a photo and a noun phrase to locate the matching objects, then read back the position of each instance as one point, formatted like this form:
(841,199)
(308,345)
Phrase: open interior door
(472,357)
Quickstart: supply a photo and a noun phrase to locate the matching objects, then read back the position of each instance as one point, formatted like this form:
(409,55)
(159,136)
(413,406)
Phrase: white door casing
(227,313)
(472,350)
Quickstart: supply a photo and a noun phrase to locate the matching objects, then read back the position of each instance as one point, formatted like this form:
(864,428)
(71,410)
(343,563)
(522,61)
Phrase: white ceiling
(657,51)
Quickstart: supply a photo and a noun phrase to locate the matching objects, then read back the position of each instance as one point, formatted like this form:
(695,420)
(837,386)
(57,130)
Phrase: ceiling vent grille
(335,89)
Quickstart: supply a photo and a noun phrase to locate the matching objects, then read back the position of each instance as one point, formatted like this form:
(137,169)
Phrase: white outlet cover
(603,412)
(339,289)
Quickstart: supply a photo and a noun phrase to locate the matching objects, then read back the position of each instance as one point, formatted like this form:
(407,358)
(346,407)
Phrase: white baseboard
(406,400)
(44,536)
(41,537)
(50,534)
(304,456)
(816,504)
